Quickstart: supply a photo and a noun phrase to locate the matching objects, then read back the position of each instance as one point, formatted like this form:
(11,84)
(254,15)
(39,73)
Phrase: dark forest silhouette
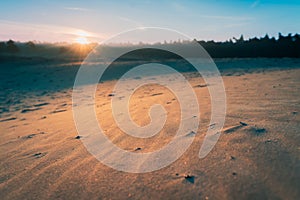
(283,46)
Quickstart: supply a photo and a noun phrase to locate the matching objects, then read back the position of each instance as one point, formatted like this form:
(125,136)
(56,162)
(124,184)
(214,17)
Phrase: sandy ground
(42,159)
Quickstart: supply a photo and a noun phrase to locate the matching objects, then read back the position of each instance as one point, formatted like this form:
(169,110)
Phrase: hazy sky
(62,20)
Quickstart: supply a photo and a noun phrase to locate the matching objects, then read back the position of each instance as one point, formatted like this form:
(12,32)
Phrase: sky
(97,21)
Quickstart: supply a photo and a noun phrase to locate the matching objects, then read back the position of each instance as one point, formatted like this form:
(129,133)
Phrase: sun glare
(82,37)
(82,40)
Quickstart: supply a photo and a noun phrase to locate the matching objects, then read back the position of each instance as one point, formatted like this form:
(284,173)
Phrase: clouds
(34,31)
(224,17)
(134,22)
(77,9)
(57,20)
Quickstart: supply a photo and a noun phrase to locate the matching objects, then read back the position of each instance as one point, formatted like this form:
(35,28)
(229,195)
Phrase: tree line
(283,46)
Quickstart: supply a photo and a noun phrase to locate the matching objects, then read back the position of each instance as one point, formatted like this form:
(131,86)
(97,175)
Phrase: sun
(82,37)
(82,40)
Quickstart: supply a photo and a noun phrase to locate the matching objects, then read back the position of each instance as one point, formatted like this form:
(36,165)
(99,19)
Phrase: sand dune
(256,157)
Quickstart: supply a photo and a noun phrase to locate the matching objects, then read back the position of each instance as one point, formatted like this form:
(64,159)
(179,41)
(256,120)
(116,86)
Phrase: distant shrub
(12,47)
(30,44)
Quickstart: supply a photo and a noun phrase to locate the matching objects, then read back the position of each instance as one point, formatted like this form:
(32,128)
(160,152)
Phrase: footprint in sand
(234,128)
(29,136)
(32,135)
(63,105)
(192,133)
(39,155)
(157,94)
(190,178)
(40,104)
(254,130)
(257,131)
(58,111)
(30,110)
(200,85)
(8,119)
(231,129)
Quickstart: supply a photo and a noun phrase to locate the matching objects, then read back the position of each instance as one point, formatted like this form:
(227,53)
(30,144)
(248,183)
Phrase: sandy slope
(40,157)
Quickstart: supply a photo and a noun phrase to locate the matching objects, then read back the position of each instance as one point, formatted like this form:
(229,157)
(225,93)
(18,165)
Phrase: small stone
(234,173)
(78,137)
(138,149)
(232,158)
(268,141)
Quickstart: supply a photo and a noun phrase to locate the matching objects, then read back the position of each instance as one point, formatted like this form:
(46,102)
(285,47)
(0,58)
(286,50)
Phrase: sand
(42,158)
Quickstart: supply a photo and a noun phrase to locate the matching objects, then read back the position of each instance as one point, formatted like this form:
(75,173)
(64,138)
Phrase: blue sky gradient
(55,20)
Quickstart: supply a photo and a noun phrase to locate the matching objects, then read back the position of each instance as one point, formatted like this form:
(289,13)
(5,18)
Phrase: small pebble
(268,140)
(78,137)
